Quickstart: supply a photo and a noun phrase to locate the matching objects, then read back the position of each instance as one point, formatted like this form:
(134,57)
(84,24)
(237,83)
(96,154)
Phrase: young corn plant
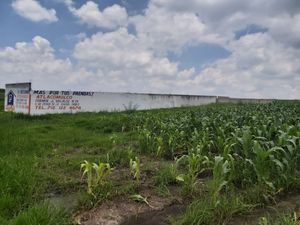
(140,198)
(160,146)
(96,174)
(263,164)
(146,140)
(135,171)
(196,164)
(102,171)
(221,171)
(289,156)
(87,168)
(113,139)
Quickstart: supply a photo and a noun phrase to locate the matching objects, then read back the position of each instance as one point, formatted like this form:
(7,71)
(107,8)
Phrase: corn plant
(135,171)
(102,171)
(88,171)
(113,139)
(195,163)
(260,143)
(140,198)
(96,174)
(221,170)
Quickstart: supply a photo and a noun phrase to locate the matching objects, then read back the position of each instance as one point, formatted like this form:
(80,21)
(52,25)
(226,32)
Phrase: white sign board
(17,98)
(59,101)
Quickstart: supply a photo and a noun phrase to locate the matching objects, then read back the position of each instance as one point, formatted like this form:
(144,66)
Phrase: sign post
(17,97)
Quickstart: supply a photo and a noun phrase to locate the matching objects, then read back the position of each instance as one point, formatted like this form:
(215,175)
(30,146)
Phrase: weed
(41,214)
(120,157)
(293,219)
(206,212)
(166,175)
(104,192)
(163,191)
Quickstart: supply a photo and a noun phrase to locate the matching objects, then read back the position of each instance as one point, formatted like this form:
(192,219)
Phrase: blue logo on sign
(10,98)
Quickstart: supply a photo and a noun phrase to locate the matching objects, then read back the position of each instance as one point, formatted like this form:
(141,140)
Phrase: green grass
(41,214)
(42,155)
(205,212)
(166,175)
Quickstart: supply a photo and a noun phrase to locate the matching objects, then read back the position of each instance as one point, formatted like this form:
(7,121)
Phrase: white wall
(43,102)
(20,98)
(222,99)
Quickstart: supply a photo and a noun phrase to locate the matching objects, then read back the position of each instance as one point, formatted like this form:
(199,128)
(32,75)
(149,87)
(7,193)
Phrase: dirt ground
(123,211)
(126,211)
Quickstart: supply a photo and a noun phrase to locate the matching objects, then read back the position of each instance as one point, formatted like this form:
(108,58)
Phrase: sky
(204,47)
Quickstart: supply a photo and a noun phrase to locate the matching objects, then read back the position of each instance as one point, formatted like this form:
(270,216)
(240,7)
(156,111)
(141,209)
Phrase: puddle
(67,202)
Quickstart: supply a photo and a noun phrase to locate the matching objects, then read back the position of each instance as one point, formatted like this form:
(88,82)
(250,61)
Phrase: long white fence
(20,98)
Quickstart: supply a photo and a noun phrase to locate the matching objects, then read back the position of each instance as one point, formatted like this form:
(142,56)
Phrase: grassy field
(223,159)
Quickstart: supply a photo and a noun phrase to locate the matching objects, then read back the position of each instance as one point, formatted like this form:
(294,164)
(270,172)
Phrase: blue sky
(221,47)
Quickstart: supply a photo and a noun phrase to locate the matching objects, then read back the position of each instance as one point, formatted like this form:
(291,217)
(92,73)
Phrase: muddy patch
(157,217)
(126,211)
(67,202)
(285,206)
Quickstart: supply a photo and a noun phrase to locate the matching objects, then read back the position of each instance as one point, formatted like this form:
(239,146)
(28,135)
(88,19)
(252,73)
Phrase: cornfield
(254,146)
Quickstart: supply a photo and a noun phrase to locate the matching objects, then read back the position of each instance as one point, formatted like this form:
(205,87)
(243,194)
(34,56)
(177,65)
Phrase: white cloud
(32,10)
(225,17)
(123,63)
(89,13)
(164,30)
(35,61)
(120,50)
(285,29)
(259,66)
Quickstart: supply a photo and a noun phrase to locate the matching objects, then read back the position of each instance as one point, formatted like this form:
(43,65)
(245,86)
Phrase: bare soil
(157,217)
(123,211)
(126,211)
